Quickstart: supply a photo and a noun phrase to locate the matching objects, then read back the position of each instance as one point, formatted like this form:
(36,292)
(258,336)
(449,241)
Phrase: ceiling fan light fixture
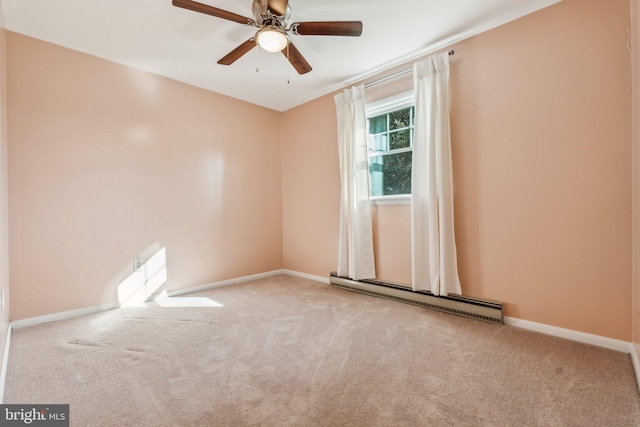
(272,39)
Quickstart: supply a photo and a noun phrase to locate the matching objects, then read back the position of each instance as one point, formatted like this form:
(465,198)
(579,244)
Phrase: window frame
(379,107)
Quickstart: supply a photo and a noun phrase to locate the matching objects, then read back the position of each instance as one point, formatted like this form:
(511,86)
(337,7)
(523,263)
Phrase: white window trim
(402,199)
(395,102)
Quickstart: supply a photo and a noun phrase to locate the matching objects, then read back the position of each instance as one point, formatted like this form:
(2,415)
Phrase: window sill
(391,200)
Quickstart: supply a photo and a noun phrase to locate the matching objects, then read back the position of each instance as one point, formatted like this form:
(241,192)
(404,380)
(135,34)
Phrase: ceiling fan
(272,21)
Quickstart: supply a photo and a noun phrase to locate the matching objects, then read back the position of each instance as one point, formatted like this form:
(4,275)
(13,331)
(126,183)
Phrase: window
(390,126)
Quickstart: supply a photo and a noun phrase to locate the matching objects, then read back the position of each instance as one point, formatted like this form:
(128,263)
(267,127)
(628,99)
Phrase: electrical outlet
(137,264)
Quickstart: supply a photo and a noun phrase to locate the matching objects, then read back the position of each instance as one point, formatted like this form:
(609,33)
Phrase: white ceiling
(155,36)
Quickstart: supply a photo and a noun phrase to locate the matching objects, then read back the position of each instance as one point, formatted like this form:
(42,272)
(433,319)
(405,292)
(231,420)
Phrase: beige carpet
(291,352)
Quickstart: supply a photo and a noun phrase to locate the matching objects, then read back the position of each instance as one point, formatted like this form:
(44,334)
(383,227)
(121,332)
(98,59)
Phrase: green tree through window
(390,152)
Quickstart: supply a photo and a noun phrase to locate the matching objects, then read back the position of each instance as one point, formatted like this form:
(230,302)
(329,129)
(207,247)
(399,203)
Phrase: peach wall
(4,231)
(392,242)
(542,177)
(635,108)
(310,187)
(108,163)
(542,139)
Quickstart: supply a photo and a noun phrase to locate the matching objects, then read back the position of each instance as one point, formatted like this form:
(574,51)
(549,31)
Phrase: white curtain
(433,246)
(355,252)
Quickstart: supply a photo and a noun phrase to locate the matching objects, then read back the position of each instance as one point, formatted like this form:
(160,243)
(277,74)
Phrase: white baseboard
(63,315)
(23,323)
(225,283)
(247,279)
(306,276)
(635,360)
(5,363)
(583,337)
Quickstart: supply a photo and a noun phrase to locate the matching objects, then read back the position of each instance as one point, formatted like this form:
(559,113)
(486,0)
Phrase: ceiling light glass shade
(272,39)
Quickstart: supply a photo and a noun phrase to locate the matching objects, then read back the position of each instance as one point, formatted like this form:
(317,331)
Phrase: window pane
(400,119)
(378,124)
(376,180)
(378,143)
(400,139)
(390,174)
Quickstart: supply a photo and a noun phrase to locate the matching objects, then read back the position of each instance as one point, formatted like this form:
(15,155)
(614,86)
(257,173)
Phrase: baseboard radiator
(475,308)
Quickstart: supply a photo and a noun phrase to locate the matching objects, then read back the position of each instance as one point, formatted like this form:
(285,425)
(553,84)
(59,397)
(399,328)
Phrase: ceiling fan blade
(278,7)
(330,28)
(296,59)
(237,53)
(213,11)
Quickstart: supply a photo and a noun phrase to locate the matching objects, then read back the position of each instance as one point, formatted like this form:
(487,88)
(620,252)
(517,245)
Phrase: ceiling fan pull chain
(288,68)
(257,60)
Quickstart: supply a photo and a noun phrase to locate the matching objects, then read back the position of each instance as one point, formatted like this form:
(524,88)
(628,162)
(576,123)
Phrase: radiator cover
(475,308)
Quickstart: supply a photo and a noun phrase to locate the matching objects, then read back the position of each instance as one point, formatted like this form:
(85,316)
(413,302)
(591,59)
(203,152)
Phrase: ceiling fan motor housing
(264,17)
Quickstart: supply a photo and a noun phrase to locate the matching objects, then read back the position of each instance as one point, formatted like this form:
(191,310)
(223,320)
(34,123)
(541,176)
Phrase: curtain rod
(394,75)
